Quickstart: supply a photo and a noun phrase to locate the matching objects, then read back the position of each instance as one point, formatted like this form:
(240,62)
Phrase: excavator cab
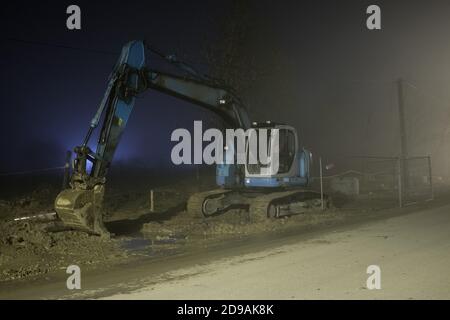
(287,166)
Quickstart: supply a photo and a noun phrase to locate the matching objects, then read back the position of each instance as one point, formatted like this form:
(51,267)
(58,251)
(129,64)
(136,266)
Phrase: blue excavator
(263,193)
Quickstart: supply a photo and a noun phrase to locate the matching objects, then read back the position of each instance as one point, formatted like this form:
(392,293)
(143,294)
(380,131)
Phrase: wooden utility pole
(400,182)
(403,140)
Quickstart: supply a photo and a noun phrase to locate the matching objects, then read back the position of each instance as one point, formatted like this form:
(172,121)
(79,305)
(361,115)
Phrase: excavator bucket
(82,210)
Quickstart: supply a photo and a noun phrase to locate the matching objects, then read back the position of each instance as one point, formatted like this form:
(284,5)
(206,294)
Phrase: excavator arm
(81,206)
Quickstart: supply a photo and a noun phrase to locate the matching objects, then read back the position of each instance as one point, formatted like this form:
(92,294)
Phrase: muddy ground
(27,249)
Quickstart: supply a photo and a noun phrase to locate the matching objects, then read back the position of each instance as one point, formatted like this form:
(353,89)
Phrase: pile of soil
(235,223)
(26,249)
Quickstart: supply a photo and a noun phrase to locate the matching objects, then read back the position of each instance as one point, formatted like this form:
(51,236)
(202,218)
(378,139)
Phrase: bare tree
(230,59)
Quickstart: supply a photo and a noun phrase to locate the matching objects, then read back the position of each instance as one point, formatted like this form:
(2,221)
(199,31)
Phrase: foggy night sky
(326,74)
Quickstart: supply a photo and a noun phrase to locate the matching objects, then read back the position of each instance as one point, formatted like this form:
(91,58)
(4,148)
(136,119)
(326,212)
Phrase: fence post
(431,178)
(152,201)
(321,183)
(400,187)
(66,177)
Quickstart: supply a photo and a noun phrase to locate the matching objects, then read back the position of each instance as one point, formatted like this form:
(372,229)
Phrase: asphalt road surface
(412,252)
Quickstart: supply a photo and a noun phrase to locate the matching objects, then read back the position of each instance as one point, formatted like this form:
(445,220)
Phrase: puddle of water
(151,248)
(136,244)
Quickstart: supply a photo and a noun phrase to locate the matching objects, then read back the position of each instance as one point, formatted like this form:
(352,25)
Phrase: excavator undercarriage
(260,204)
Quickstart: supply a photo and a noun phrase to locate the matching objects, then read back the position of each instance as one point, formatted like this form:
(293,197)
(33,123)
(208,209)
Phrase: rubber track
(259,205)
(194,205)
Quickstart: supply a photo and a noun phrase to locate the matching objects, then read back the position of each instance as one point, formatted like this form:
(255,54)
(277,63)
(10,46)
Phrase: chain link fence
(392,180)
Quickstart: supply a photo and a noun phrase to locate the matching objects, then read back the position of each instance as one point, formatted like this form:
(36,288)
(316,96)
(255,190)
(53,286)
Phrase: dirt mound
(26,249)
(235,223)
